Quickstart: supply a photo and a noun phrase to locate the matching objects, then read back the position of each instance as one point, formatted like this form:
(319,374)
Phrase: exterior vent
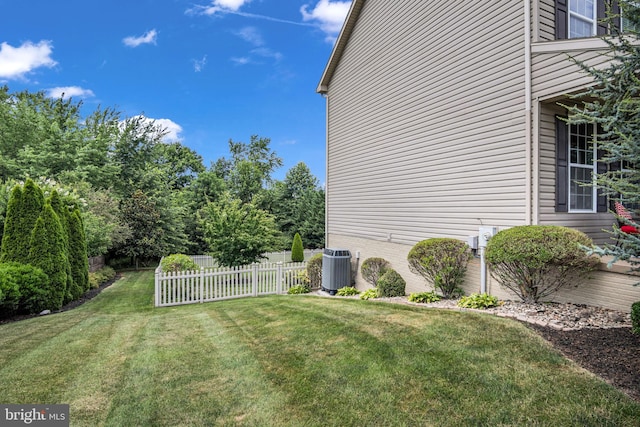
(336,269)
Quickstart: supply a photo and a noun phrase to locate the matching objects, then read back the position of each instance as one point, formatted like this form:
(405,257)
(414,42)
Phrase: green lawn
(295,361)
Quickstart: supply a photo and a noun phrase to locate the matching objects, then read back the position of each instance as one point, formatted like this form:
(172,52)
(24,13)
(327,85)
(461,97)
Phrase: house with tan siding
(445,116)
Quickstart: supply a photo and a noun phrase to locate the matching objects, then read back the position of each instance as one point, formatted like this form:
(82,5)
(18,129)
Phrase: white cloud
(171,129)
(69,91)
(330,16)
(251,35)
(223,6)
(147,38)
(241,60)
(198,64)
(267,53)
(16,62)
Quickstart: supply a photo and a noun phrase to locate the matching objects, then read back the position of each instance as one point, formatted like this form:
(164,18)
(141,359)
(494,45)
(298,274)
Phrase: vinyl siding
(547,20)
(554,74)
(591,223)
(426,127)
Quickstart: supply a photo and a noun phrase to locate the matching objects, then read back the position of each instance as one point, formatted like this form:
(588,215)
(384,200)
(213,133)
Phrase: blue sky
(208,71)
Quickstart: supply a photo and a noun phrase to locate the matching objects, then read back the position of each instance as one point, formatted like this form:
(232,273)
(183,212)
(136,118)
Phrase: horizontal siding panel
(554,74)
(547,23)
(420,121)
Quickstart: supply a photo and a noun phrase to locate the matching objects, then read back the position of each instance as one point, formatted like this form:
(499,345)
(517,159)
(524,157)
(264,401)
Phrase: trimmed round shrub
(24,288)
(314,271)
(442,262)
(635,318)
(297,250)
(391,284)
(178,262)
(535,261)
(373,268)
(104,275)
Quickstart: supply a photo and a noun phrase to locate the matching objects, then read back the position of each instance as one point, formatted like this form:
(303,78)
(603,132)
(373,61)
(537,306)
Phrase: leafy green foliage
(373,268)
(347,291)
(22,289)
(478,301)
(250,167)
(635,317)
(73,291)
(442,261)
(391,284)
(102,276)
(297,250)
(370,294)
(48,253)
(78,252)
(535,261)
(424,297)
(314,271)
(142,216)
(178,262)
(298,289)
(237,233)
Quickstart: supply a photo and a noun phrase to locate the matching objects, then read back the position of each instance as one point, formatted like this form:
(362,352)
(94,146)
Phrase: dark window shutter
(562,20)
(601,167)
(601,8)
(615,10)
(562,166)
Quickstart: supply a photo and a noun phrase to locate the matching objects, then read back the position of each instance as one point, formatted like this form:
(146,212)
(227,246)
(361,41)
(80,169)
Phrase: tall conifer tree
(613,103)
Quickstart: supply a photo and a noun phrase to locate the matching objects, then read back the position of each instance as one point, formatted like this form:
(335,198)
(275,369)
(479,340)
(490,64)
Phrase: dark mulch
(90,294)
(612,354)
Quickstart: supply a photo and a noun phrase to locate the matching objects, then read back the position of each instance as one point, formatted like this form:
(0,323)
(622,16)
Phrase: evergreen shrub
(373,268)
(24,288)
(391,284)
(297,250)
(442,262)
(314,271)
(178,262)
(535,261)
(48,253)
(635,317)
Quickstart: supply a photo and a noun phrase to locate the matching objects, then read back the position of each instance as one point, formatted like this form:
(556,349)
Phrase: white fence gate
(213,284)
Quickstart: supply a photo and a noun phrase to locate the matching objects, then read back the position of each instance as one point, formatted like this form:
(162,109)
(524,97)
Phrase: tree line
(140,197)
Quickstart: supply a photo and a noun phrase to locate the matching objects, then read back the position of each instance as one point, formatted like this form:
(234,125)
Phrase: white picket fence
(214,284)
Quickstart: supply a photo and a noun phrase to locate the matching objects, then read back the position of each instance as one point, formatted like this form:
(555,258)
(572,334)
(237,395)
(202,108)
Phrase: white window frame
(593,167)
(593,21)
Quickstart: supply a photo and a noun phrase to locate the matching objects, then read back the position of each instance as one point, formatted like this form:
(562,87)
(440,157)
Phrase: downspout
(528,116)
(325,94)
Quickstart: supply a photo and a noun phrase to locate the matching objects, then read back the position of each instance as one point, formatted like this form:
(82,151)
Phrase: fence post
(279,278)
(254,279)
(201,284)
(157,286)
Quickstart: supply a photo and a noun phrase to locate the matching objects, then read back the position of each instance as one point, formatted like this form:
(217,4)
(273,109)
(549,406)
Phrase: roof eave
(338,48)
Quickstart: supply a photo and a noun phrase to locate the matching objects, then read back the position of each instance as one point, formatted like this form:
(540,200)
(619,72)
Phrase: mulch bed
(612,354)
